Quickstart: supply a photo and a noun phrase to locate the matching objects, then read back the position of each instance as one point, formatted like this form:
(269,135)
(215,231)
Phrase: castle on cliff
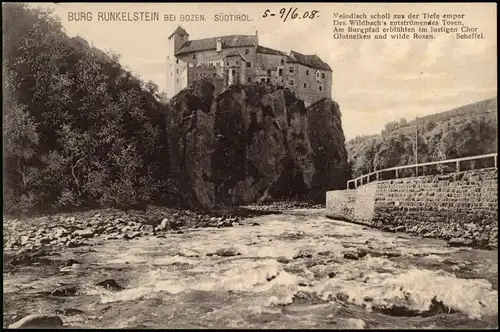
(239,59)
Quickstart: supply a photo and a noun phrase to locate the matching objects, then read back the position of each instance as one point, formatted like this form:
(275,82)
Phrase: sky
(374,81)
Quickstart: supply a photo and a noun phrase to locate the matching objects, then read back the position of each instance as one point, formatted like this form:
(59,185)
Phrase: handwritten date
(292,13)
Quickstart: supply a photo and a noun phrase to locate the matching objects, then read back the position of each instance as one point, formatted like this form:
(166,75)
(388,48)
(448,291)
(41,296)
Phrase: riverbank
(77,228)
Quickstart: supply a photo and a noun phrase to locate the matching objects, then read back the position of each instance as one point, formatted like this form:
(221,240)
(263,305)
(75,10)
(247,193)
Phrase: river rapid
(297,269)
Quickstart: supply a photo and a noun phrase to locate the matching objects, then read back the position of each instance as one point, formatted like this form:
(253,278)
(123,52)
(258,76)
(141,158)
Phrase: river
(298,269)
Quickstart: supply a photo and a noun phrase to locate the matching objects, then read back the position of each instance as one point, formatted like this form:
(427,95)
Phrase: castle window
(194,56)
(177,61)
(320,88)
(282,62)
(215,75)
(280,72)
(305,85)
(307,72)
(269,72)
(291,82)
(322,75)
(249,79)
(227,63)
(249,64)
(237,62)
(317,74)
(262,80)
(268,80)
(177,71)
(246,51)
(177,80)
(291,69)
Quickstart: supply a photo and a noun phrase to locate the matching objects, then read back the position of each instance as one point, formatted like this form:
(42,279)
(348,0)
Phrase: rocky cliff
(252,143)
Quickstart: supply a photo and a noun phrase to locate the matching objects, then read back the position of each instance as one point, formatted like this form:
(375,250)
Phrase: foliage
(79,129)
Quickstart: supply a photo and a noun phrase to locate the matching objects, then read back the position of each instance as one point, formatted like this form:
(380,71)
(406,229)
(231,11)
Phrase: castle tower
(175,41)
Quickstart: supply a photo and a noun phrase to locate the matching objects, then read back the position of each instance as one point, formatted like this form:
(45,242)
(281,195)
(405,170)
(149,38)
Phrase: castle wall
(221,63)
(180,75)
(308,81)
(176,70)
(212,56)
(269,66)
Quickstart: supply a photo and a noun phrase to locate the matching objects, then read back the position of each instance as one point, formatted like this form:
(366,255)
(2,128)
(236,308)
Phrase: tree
(402,123)
(429,125)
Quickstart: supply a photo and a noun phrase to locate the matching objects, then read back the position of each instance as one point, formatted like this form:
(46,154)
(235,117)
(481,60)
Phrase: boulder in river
(66,291)
(37,321)
(110,284)
(227,252)
(459,242)
(70,312)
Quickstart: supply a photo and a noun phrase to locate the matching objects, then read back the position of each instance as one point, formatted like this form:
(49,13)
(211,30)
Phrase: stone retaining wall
(461,207)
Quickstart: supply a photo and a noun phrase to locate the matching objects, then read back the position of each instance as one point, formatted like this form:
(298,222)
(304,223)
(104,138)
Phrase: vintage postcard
(250,165)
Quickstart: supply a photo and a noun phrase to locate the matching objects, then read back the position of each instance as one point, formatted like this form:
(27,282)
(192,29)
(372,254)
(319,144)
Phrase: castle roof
(267,50)
(179,31)
(312,61)
(211,43)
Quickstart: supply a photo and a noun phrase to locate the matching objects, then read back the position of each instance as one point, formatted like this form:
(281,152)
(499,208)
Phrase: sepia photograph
(250,165)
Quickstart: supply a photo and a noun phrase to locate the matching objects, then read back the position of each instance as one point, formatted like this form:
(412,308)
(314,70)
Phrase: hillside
(464,131)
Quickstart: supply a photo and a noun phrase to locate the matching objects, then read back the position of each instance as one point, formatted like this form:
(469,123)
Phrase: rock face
(254,143)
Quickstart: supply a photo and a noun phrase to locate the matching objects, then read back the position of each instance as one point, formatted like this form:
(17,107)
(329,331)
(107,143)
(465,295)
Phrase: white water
(257,287)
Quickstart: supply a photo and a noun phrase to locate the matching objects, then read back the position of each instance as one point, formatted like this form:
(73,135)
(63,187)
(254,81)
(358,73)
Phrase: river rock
(165,223)
(69,312)
(303,254)
(227,252)
(134,235)
(84,233)
(282,260)
(459,242)
(65,291)
(37,321)
(71,262)
(110,284)
(354,255)
(75,243)
(147,229)
(60,232)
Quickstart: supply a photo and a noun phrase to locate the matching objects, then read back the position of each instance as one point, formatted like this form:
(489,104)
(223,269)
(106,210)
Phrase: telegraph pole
(416,148)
